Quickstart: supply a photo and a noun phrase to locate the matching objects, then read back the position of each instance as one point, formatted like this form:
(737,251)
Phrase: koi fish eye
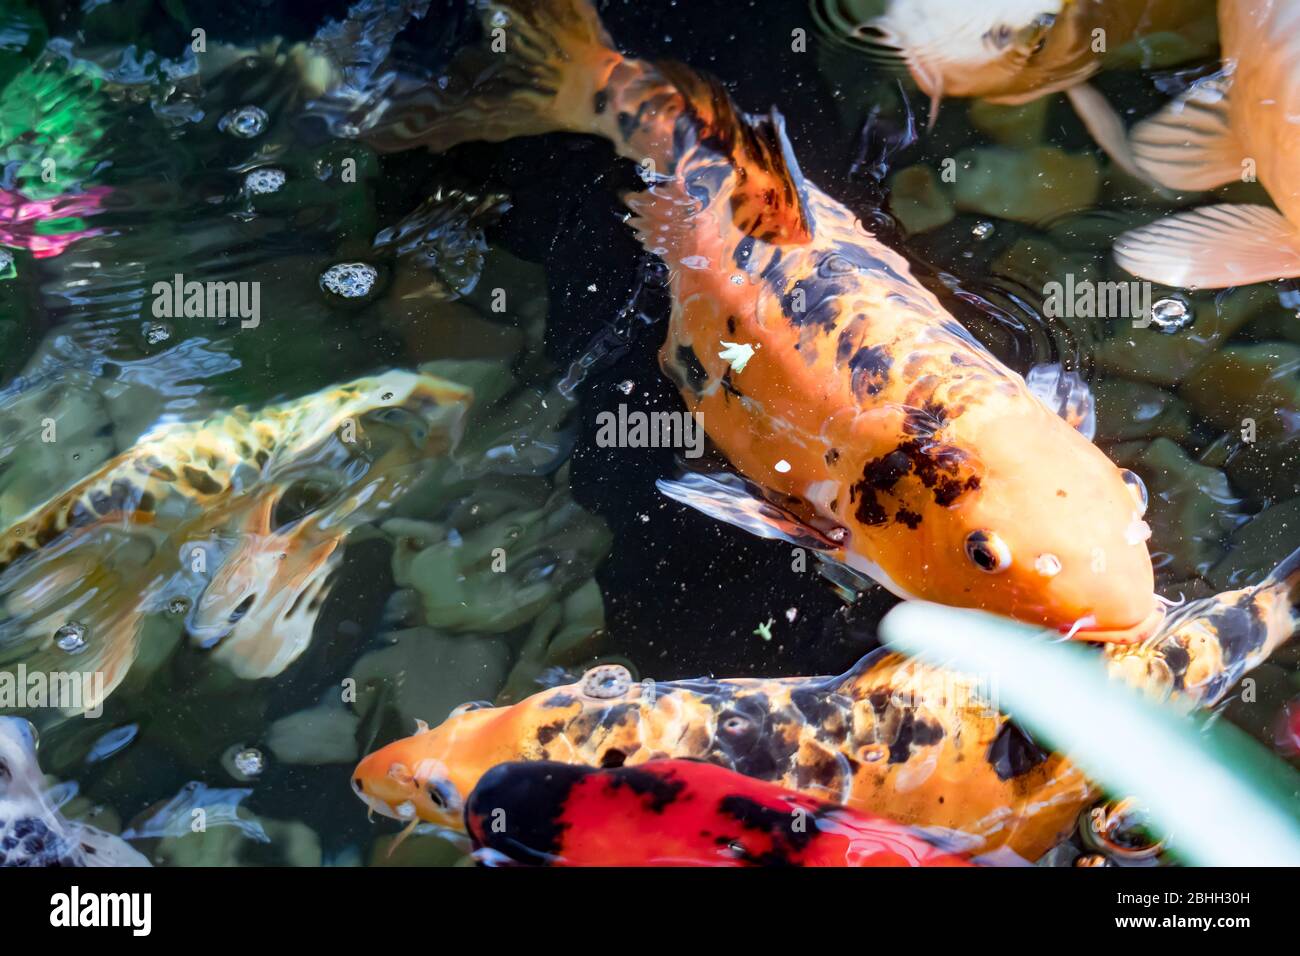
(1136,488)
(988,552)
(443,795)
(1033,37)
(606,681)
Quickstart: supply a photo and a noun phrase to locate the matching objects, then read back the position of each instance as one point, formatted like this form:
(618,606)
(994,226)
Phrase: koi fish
(240,517)
(1011,51)
(1206,646)
(892,737)
(869,423)
(1228,127)
(677,813)
(32,831)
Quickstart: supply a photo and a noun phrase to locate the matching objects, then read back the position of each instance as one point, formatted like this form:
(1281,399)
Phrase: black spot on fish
(629,123)
(728,386)
(548,732)
(909,518)
(1013,752)
(883,473)
(661,790)
(599,102)
(731,324)
(704,182)
(773,821)
(532,797)
(869,511)
(773,274)
(696,376)
(613,757)
(200,481)
(744,249)
(925,422)
(832,456)
(560,700)
(869,368)
(814,302)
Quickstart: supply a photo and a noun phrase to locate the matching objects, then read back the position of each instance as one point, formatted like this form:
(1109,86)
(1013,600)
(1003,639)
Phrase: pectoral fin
(1107,129)
(737,502)
(72,612)
(1190,144)
(260,608)
(1066,394)
(1213,247)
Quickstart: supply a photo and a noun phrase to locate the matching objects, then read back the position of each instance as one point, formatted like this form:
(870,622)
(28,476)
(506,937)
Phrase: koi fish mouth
(1085,630)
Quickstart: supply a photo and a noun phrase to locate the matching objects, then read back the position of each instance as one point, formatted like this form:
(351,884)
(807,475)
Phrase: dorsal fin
(768,200)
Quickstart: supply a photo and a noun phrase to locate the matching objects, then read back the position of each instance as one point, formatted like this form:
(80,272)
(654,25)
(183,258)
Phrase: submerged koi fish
(903,740)
(1206,646)
(1011,51)
(677,813)
(1239,121)
(32,831)
(912,743)
(873,426)
(240,517)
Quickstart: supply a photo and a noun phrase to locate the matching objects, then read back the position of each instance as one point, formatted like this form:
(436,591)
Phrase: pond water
(512,268)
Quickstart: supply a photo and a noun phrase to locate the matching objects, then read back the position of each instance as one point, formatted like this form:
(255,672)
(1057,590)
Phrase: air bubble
(250,762)
(155,333)
(245,122)
(71,638)
(982,230)
(1170,315)
(260,182)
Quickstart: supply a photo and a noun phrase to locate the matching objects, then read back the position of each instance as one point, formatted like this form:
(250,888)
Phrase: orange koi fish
(869,423)
(677,813)
(896,738)
(893,738)
(1229,127)
(240,517)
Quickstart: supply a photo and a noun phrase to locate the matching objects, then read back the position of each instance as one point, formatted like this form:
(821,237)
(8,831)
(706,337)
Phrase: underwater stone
(1031,186)
(1149,355)
(917,201)
(1259,382)
(1019,126)
(1129,410)
(426,673)
(324,734)
(1257,547)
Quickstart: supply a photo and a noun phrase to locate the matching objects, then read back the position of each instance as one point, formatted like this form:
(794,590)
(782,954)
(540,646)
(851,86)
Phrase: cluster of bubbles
(260,182)
(349,280)
(244,122)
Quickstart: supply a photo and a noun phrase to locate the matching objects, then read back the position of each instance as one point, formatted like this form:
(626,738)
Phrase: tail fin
(536,71)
